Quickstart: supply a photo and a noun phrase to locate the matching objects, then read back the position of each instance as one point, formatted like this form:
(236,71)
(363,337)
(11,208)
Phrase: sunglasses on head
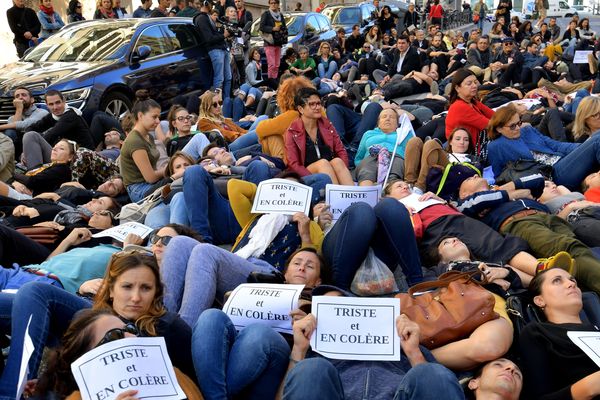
(118,333)
(164,239)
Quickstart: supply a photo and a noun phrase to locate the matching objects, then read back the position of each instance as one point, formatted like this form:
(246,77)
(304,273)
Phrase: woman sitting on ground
(312,144)
(180,129)
(553,365)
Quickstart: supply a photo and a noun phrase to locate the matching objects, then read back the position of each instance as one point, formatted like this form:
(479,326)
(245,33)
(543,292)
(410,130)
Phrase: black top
(551,361)
(178,337)
(386,24)
(354,43)
(69,126)
(23,20)
(211,38)
(47,180)
(411,18)
(316,151)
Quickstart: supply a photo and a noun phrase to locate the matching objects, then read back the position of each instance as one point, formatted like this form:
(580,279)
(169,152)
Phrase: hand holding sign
(281,196)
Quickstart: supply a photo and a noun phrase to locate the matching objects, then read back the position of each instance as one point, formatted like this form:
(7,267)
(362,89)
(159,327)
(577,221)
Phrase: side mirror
(141,53)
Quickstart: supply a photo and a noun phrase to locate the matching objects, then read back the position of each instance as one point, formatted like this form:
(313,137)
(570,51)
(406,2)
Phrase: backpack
(445,182)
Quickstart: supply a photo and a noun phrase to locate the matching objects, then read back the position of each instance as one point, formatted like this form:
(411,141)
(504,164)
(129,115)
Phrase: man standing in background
(24,24)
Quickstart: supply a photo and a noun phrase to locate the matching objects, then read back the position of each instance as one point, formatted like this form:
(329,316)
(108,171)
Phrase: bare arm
(140,157)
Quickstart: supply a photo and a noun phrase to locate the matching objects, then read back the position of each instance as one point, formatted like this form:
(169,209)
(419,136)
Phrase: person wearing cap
(508,64)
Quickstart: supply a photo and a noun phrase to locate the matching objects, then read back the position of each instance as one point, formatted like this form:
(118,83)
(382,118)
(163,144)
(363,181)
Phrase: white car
(583,11)
(558,8)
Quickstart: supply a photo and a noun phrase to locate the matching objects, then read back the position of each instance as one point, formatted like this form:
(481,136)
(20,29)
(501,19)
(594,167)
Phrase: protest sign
(28,349)
(581,56)
(138,363)
(120,232)
(269,304)
(340,197)
(412,201)
(588,342)
(281,196)
(356,328)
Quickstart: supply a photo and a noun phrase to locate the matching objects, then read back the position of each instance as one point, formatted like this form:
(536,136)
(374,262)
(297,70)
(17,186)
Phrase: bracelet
(293,361)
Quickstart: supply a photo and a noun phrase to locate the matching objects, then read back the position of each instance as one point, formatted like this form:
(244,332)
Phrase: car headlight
(77,94)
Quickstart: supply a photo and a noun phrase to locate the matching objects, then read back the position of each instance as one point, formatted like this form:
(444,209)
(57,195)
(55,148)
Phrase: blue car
(99,64)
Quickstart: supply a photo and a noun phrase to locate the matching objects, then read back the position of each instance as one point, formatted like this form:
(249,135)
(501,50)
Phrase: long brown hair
(172,115)
(120,263)
(288,89)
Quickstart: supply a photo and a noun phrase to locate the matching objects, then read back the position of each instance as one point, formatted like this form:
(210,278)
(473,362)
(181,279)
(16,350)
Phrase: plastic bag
(373,278)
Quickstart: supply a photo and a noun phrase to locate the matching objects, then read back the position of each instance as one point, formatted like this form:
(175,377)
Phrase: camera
(230,27)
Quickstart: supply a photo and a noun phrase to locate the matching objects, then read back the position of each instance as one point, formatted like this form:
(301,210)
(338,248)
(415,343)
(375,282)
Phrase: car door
(327,31)
(310,38)
(155,73)
(190,62)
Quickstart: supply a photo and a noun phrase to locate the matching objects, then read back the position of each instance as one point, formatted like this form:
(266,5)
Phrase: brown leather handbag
(41,234)
(452,311)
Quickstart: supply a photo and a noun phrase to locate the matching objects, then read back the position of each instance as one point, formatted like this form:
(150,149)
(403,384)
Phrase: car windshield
(343,15)
(85,42)
(293,23)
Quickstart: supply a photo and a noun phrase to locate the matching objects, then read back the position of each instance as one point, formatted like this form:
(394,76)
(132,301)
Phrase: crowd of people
(486,148)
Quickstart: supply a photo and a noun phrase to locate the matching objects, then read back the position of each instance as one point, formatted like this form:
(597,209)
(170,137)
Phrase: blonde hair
(589,106)
(321,47)
(206,102)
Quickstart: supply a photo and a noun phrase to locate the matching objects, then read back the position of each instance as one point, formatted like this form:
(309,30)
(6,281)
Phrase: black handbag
(520,168)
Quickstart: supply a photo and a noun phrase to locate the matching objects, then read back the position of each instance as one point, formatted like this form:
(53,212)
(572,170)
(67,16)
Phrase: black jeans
(586,225)
(19,249)
(102,123)
(553,124)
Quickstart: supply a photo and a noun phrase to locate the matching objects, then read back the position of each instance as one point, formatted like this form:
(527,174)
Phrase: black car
(363,14)
(99,64)
(304,29)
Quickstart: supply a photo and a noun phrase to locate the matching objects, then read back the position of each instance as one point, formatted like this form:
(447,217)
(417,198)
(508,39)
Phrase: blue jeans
(317,182)
(196,145)
(137,191)
(317,378)
(575,166)
(11,133)
(257,171)
(52,309)
(351,125)
(248,139)
(249,91)
(248,364)
(15,278)
(327,73)
(234,108)
(221,71)
(387,229)
(580,95)
(210,213)
(158,216)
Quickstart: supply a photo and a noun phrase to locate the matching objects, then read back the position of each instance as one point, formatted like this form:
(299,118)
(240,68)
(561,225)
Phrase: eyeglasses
(508,43)
(513,127)
(217,104)
(314,104)
(186,118)
(596,116)
(118,333)
(163,239)
(105,213)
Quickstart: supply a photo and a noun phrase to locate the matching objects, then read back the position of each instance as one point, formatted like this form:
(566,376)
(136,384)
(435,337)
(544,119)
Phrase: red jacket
(474,117)
(295,144)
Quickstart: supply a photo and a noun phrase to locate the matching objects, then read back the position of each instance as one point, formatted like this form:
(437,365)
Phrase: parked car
(304,29)
(583,11)
(346,16)
(99,64)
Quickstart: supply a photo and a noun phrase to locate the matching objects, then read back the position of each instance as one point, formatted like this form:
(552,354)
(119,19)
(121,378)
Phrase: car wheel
(116,104)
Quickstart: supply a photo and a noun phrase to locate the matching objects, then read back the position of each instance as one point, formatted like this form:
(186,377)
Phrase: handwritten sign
(281,196)
(268,304)
(141,364)
(120,232)
(340,197)
(28,349)
(356,328)
(588,342)
(581,56)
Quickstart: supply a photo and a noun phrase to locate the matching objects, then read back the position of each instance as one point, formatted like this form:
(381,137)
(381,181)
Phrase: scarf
(47,10)
(73,216)
(276,15)
(263,233)
(109,14)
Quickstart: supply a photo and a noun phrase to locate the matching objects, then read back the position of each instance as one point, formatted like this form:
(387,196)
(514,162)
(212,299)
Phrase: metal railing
(453,19)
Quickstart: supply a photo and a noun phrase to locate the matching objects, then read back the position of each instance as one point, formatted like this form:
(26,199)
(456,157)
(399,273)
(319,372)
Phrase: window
(312,26)
(349,16)
(157,42)
(181,35)
(367,12)
(323,23)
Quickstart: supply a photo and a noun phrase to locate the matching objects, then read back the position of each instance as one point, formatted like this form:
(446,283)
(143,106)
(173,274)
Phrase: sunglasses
(118,333)
(596,116)
(164,239)
(105,213)
(217,104)
(513,127)
(186,118)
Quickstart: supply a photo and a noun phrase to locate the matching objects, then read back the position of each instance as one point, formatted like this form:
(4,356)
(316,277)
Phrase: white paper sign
(140,363)
(356,328)
(529,103)
(412,200)
(340,197)
(589,342)
(581,56)
(269,304)
(281,196)
(120,232)
(28,349)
